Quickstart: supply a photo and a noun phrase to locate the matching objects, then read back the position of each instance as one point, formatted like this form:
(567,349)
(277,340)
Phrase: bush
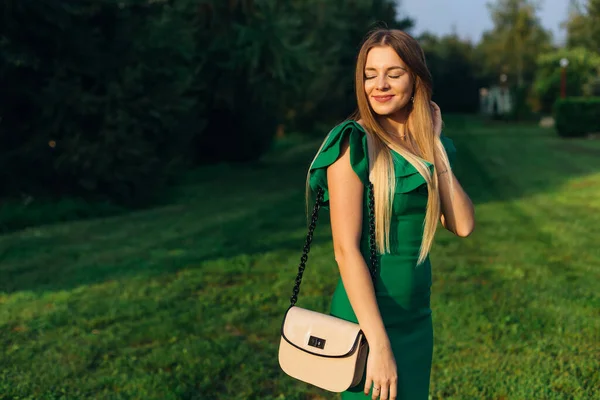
(577,116)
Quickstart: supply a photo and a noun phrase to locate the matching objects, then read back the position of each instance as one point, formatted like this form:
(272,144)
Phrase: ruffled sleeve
(450,149)
(331,151)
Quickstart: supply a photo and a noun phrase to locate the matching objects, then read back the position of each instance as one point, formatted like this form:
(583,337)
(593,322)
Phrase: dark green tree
(94,97)
(454,71)
(112,98)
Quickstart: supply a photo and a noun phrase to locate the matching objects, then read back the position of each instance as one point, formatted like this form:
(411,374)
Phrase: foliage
(327,92)
(448,58)
(246,56)
(110,99)
(90,111)
(514,43)
(583,25)
(583,67)
(577,116)
(271,63)
(185,301)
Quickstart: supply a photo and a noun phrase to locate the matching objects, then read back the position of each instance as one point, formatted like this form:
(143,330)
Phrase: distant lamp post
(563,77)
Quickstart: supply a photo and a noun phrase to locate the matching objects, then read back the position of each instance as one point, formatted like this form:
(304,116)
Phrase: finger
(368,385)
(393,389)
(384,391)
(376,391)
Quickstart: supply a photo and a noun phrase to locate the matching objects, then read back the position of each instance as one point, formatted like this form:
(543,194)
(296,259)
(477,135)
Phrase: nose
(382,83)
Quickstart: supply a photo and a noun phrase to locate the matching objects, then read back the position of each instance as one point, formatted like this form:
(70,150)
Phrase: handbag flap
(320,334)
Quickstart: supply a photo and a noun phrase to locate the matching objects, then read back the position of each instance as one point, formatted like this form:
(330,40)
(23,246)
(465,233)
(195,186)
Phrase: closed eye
(390,76)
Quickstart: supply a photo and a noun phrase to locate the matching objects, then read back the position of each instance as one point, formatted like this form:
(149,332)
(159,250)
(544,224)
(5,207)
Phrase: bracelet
(443,172)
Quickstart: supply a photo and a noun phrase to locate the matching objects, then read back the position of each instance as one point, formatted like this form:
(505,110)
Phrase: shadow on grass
(227,211)
(161,241)
(490,158)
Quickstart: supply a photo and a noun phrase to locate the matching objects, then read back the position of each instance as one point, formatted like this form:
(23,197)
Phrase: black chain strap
(372,244)
(311,230)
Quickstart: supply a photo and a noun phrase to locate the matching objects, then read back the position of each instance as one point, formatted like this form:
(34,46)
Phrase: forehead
(382,57)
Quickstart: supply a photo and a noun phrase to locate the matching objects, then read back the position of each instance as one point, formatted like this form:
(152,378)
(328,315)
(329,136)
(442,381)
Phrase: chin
(386,110)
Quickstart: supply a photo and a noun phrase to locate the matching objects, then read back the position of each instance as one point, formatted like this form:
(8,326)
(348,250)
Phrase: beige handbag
(320,349)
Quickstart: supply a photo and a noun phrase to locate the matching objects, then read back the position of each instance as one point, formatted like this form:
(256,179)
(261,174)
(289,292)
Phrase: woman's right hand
(382,373)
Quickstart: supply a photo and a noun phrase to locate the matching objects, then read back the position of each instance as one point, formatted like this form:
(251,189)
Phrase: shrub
(577,116)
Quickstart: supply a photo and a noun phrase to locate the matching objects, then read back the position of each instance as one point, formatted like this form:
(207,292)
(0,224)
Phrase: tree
(251,57)
(268,63)
(450,57)
(336,33)
(513,45)
(583,25)
(108,97)
(94,98)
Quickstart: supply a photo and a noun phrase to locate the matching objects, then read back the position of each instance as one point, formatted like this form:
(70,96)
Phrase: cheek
(404,85)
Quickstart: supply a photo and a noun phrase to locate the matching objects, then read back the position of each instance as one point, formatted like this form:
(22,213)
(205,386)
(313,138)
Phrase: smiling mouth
(383,99)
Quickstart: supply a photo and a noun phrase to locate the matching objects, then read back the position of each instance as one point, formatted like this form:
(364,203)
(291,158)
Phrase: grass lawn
(185,301)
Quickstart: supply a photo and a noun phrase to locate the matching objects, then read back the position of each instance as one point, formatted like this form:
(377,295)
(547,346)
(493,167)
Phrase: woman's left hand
(436,114)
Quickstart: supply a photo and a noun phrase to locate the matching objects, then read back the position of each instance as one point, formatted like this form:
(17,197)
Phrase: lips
(383,99)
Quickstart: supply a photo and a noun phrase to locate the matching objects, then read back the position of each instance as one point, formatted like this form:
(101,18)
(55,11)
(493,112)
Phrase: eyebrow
(390,68)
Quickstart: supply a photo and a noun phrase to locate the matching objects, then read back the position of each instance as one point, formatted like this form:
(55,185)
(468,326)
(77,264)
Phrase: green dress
(402,287)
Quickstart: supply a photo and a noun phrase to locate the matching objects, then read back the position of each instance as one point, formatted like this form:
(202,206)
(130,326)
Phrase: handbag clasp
(316,342)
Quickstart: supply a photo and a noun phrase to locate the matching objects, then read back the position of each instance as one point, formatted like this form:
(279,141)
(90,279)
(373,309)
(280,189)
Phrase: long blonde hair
(420,134)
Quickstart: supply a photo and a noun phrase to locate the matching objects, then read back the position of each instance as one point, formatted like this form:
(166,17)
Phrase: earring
(412,99)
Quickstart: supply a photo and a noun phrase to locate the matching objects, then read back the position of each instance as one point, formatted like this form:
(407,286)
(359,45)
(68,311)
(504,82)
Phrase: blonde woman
(393,141)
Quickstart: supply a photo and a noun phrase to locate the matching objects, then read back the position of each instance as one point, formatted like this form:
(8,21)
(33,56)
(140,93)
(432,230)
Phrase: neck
(395,124)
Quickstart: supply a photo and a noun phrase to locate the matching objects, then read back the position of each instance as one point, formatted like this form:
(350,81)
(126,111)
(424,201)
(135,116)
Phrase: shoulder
(349,129)
(348,134)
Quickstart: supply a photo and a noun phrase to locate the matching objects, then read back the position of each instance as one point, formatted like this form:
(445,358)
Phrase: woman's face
(388,84)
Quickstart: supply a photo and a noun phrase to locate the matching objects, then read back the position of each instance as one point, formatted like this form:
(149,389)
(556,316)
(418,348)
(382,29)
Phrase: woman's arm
(346,209)
(458,214)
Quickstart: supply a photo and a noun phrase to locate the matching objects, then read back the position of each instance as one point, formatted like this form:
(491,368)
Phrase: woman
(393,141)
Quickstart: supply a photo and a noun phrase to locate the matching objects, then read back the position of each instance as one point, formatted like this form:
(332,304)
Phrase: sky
(470,18)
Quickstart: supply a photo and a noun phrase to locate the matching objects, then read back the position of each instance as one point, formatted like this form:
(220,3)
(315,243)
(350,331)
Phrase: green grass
(185,301)
(17,214)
